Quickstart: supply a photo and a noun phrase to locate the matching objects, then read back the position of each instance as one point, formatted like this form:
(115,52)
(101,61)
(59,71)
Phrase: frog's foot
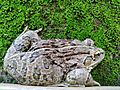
(93,83)
(67,85)
(96,83)
(59,85)
(77,85)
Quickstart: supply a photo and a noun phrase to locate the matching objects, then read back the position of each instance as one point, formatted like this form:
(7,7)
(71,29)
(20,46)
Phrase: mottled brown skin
(32,61)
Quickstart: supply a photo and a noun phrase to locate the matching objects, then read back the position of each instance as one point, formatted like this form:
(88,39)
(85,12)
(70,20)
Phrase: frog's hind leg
(39,30)
(23,42)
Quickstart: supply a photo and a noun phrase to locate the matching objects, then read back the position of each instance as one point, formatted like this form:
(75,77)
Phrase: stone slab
(4,86)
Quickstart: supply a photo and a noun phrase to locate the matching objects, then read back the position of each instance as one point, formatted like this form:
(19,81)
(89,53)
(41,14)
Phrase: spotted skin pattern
(33,61)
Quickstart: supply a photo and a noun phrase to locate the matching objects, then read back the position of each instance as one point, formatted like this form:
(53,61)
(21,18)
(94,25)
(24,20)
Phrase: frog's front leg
(77,77)
(91,82)
(80,77)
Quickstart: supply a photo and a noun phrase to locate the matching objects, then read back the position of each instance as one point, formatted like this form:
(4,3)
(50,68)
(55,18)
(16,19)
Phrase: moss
(71,19)
(6,78)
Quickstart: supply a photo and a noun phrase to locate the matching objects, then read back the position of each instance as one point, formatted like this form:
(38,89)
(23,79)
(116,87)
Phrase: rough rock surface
(23,87)
(32,61)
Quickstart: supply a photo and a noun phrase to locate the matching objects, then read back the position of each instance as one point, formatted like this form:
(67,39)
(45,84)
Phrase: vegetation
(71,19)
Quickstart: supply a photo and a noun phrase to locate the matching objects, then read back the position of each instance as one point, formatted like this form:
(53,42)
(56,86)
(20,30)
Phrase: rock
(23,87)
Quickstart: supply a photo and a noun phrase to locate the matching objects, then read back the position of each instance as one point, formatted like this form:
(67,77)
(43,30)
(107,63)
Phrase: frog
(31,60)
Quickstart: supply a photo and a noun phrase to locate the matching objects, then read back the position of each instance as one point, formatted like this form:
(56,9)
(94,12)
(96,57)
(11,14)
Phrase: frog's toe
(76,85)
(67,85)
(93,83)
(96,83)
(60,85)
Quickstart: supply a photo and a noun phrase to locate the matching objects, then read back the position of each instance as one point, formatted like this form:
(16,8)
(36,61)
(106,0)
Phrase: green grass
(71,19)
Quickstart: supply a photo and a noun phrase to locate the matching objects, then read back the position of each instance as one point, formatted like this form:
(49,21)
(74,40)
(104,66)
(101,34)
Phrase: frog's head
(97,56)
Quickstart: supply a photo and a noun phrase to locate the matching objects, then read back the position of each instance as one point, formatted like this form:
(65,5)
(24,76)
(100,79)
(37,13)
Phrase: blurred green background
(70,19)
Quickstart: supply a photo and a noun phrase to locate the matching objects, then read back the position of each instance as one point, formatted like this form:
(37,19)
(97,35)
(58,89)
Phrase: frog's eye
(94,59)
(89,42)
(98,54)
